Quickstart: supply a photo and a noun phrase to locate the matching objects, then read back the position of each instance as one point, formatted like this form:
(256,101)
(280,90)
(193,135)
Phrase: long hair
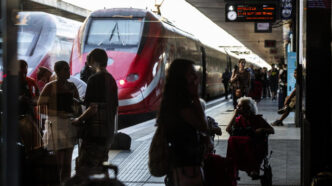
(175,90)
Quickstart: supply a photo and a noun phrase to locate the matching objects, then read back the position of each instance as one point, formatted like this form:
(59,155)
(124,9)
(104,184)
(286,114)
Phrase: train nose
(110,61)
(129,80)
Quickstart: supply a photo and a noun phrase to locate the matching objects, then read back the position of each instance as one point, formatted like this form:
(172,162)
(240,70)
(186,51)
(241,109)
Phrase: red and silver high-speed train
(140,47)
(44,39)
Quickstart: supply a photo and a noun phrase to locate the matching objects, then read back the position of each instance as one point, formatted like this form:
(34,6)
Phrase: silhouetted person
(226,76)
(274,82)
(28,91)
(29,133)
(87,71)
(182,115)
(43,77)
(289,105)
(101,100)
(60,135)
(240,81)
(266,88)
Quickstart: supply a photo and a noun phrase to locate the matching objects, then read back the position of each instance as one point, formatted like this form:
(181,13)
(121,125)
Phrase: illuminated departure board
(250,12)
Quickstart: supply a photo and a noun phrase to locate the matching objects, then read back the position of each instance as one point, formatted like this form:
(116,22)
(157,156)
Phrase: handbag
(159,153)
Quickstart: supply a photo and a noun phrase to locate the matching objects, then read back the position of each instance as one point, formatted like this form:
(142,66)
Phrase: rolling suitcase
(121,141)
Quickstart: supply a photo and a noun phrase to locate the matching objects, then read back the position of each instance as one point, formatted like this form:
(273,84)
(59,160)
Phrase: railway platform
(285,144)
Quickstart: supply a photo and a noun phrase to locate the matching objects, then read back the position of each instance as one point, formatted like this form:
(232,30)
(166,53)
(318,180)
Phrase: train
(44,38)
(140,46)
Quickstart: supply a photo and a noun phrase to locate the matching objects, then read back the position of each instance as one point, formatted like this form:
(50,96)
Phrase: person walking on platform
(226,76)
(240,81)
(265,83)
(101,100)
(274,82)
(182,116)
(289,105)
(233,85)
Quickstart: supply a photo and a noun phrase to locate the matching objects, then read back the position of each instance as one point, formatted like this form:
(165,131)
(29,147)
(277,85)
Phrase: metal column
(9,153)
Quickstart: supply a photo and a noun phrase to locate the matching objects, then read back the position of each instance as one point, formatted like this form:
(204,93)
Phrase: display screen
(250,12)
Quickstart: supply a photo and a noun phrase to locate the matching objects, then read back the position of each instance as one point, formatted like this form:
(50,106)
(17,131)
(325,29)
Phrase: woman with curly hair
(247,145)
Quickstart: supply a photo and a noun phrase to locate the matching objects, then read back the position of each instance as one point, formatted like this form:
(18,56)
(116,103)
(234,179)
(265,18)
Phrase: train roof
(136,12)
(64,27)
(120,12)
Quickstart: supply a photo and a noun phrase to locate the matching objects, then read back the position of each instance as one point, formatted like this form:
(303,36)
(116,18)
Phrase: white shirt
(80,85)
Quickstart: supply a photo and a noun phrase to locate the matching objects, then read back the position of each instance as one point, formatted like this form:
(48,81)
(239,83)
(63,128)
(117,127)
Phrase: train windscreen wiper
(111,35)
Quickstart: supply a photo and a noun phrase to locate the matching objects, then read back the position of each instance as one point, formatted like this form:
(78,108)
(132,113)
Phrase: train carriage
(140,46)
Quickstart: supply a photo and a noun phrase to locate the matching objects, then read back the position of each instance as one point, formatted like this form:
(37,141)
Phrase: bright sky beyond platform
(184,16)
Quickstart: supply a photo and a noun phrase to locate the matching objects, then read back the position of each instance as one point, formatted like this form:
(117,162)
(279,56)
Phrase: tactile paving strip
(134,169)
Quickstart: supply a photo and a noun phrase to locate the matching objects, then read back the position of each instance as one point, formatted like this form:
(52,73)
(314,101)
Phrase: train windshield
(115,34)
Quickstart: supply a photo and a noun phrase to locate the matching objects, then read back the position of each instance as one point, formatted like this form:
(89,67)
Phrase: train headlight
(122,82)
(132,77)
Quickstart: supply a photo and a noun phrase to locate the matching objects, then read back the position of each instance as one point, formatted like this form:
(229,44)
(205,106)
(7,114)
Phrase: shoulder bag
(159,153)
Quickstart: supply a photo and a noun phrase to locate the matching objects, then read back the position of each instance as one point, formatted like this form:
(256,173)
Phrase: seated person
(247,145)
(289,105)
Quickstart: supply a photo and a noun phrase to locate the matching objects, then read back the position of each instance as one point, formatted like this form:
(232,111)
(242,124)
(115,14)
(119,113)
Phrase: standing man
(28,91)
(101,99)
(226,76)
(274,82)
(265,82)
(87,70)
